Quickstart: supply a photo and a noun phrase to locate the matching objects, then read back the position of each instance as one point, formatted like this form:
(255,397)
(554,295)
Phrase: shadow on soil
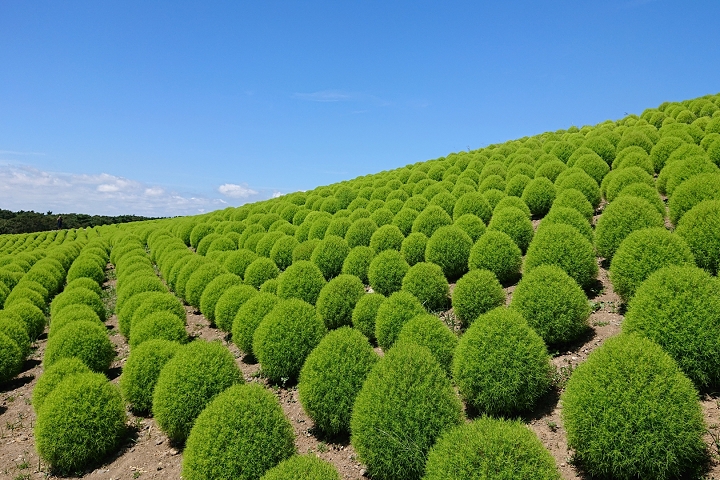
(16,382)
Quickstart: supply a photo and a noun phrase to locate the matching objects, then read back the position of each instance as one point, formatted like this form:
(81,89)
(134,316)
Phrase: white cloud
(233,190)
(277,195)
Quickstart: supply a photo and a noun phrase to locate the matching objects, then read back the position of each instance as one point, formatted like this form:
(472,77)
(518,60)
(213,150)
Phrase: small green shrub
(83,339)
(705,186)
(619,219)
(387,237)
(476,293)
(52,376)
(260,271)
(404,220)
(430,219)
(449,247)
(393,313)
(85,267)
(237,262)
(11,358)
(497,252)
(579,180)
(550,169)
(404,405)
(214,290)
(337,300)
(365,312)
(700,228)
(285,337)
(490,448)
(430,332)
(474,203)
(642,253)
(413,248)
(84,282)
(516,184)
(501,366)
(196,373)
(617,180)
(428,284)
(360,232)
(513,222)
(15,330)
(200,279)
(160,326)
(229,303)
(332,376)
(249,316)
(471,225)
(282,251)
(386,272)
(493,197)
(24,294)
(303,279)
(215,450)
(329,255)
(357,263)
(594,166)
(98,422)
(302,467)
(141,371)
(568,216)
(32,317)
(539,196)
(513,202)
(631,413)
(575,199)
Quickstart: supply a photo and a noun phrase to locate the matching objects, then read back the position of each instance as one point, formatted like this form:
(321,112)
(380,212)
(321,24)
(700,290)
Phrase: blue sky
(173,108)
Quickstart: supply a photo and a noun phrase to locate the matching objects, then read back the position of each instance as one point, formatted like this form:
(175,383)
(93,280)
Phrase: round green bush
(594,166)
(490,448)
(493,197)
(513,222)
(471,225)
(517,183)
(539,196)
(579,180)
(365,312)
(430,219)
(11,358)
(413,248)
(145,282)
(72,313)
(83,339)
(126,313)
(85,267)
(159,302)
(214,290)
(360,232)
(285,337)
(84,282)
(249,316)
(215,449)
(197,373)
(302,467)
(642,253)
(498,252)
(260,271)
(429,331)
(15,329)
(329,255)
(357,263)
(477,292)
(160,326)
(270,286)
(337,300)
(404,220)
(386,272)
(282,251)
(568,216)
(501,366)
(550,170)
(32,317)
(338,226)
(619,219)
(393,313)
(474,203)
(405,404)
(617,180)
(52,376)
(332,376)
(237,262)
(200,279)
(81,421)
(141,371)
(24,294)
(303,279)
(700,228)
(705,186)
(677,307)
(629,412)
(553,304)
(387,237)
(575,199)
(229,303)
(428,284)
(449,247)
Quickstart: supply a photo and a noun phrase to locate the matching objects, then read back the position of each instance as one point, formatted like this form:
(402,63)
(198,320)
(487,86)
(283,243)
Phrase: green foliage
(430,219)
(568,216)
(474,203)
(15,330)
(579,180)
(196,373)
(357,263)
(550,170)
(386,272)
(11,358)
(413,248)
(229,303)
(85,267)
(199,280)
(471,225)
(52,376)
(303,279)
(501,366)
(700,228)
(285,337)
(642,253)
(332,376)
(489,449)
(81,421)
(513,222)
(705,186)
(302,467)
(619,219)
(539,196)
(575,199)
(365,312)
(493,197)
(85,340)
(32,317)
(393,313)
(78,296)
(564,246)
(516,184)
(337,300)
(594,166)
(141,371)
(84,282)
(249,316)
(449,247)
(237,262)
(282,251)
(387,237)
(360,232)
(497,252)
(553,304)
(260,271)
(476,293)
(214,290)
(216,450)
(329,255)
(430,332)
(158,325)
(631,413)
(428,284)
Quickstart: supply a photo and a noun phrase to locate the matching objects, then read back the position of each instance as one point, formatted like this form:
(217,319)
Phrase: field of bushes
(415,315)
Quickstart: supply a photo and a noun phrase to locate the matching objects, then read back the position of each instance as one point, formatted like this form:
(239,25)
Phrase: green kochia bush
(428,284)
(188,382)
(700,228)
(413,248)
(387,237)
(53,376)
(477,292)
(471,225)
(573,198)
(240,435)
(489,448)
(249,316)
(386,272)
(15,329)
(285,337)
(705,186)
(406,403)
(552,303)
(564,246)
(642,253)
(11,358)
(141,371)
(332,376)
(429,331)
(199,280)
(229,303)
(214,290)
(302,467)
(449,247)
(260,271)
(430,219)
(78,296)
(513,222)
(329,255)
(539,196)
(393,313)
(677,307)
(620,218)
(158,325)
(474,203)
(81,421)
(357,263)
(303,279)
(501,366)
(85,340)
(337,300)
(363,316)
(497,252)
(631,413)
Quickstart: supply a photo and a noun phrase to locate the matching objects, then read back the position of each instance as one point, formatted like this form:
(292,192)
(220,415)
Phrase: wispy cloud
(329,96)
(233,190)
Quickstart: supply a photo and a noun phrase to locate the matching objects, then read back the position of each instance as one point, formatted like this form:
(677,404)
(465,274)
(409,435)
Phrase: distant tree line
(30,221)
